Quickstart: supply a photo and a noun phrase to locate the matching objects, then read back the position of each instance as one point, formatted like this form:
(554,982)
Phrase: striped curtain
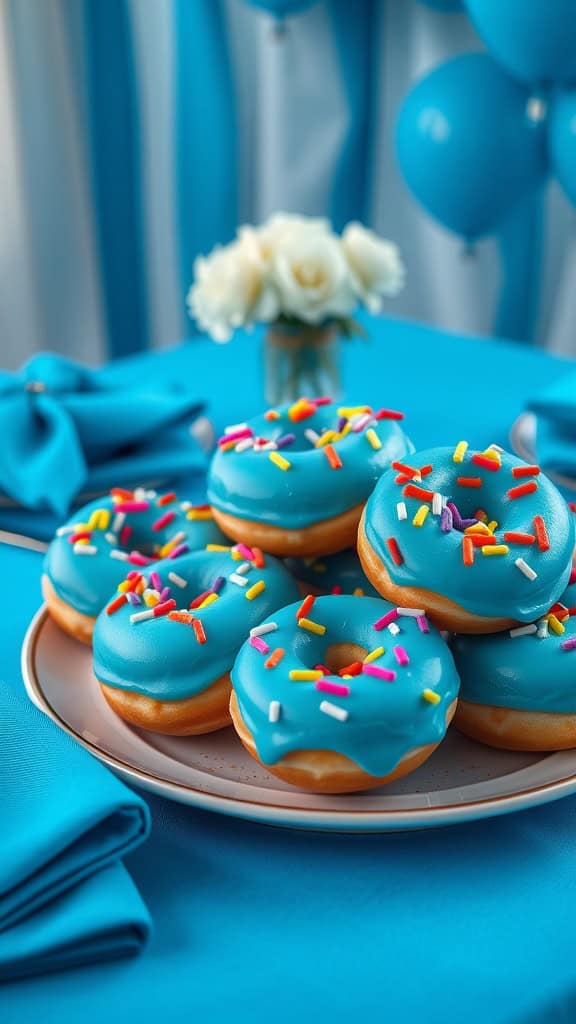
(138,133)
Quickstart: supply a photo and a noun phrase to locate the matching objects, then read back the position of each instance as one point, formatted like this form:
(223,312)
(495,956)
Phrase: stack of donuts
(338,599)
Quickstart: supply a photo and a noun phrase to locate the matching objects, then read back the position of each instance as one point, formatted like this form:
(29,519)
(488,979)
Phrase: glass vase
(301,359)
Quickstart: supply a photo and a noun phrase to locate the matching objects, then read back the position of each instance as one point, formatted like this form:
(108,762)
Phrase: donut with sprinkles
(122,531)
(345,694)
(294,480)
(480,539)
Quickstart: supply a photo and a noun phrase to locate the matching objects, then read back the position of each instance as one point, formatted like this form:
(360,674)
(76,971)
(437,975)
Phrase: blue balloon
(446,6)
(562,140)
(466,148)
(282,8)
(535,40)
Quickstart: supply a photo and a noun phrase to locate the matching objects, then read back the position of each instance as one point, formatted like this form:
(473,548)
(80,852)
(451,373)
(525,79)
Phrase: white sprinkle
(524,630)
(150,495)
(362,421)
(267,627)
(63,530)
(177,538)
(393,628)
(526,569)
(412,613)
(122,556)
(436,504)
(119,520)
(333,710)
(274,711)
(142,616)
(139,494)
(444,500)
(311,435)
(542,629)
(175,578)
(234,427)
(244,445)
(270,446)
(185,506)
(85,549)
(495,448)
(150,592)
(241,570)
(111,538)
(240,581)
(401,510)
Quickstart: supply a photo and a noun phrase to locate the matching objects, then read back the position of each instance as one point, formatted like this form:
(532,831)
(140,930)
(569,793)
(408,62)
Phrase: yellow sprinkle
(492,525)
(83,540)
(460,451)
(345,676)
(124,586)
(208,600)
(555,625)
(151,600)
(495,549)
(431,697)
(303,675)
(297,407)
(478,528)
(312,627)
(80,527)
(373,655)
(373,439)
(193,513)
(420,516)
(352,410)
(236,556)
(358,592)
(165,551)
(99,519)
(279,460)
(253,591)
(490,453)
(326,438)
(217,547)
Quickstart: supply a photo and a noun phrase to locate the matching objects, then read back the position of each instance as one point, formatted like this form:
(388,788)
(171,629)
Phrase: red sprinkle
(479,540)
(305,607)
(525,471)
(199,631)
(336,589)
(198,600)
(165,499)
(321,401)
(332,456)
(425,470)
(259,560)
(468,550)
(392,545)
(469,481)
(119,492)
(560,611)
(164,608)
(572,576)
(413,491)
(275,658)
(519,538)
(125,534)
(519,492)
(135,581)
(408,470)
(351,670)
(116,604)
(163,520)
(79,536)
(541,533)
(322,668)
(388,414)
(483,460)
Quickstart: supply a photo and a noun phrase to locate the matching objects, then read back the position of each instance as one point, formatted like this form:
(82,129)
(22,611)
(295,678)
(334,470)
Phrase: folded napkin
(64,823)
(555,410)
(56,414)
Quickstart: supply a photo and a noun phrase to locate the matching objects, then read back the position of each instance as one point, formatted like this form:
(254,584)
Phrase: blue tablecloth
(473,923)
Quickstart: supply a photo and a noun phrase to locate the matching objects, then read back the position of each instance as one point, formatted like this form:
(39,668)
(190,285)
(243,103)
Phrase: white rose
(230,289)
(375,265)
(281,227)
(312,276)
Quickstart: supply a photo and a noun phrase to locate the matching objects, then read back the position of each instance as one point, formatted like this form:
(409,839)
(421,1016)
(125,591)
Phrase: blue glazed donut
(345,694)
(165,643)
(93,551)
(481,540)
(332,574)
(294,480)
(519,686)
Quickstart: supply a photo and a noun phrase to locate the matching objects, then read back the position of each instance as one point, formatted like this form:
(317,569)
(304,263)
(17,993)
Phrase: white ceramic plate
(460,782)
(523,441)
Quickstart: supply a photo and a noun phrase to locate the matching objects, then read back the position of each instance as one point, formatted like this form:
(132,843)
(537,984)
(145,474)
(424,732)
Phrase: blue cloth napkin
(64,823)
(55,413)
(555,410)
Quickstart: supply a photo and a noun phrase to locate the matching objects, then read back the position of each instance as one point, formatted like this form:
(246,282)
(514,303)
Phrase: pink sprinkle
(572,576)
(336,589)
(135,558)
(132,574)
(164,594)
(568,645)
(401,655)
(155,581)
(381,673)
(422,623)
(180,550)
(321,401)
(163,520)
(325,686)
(259,644)
(237,435)
(245,552)
(125,534)
(132,506)
(389,617)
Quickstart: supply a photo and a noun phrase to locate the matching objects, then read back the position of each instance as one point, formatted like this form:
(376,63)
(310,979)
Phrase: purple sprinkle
(446,520)
(164,594)
(342,423)
(134,598)
(456,517)
(465,523)
(568,645)
(155,581)
(422,623)
(180,550)
(285,440)
(217,585)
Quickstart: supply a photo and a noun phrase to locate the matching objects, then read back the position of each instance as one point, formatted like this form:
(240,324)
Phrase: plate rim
(349,821)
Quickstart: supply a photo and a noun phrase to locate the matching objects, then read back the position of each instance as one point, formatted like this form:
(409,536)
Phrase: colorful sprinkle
(431,697)
(386,619)
(422,622)
(413,491)
(274,709)
(379,673)
(511,537)
(541,533)
(487,462)
(396,554)
(569,645)
(401,510)
(333,710)
(279,461)
(312,627)
(337,689)
(85,549)
(401,655)
(420,517)
(460,451)
(305,607)
(376,653)
(446,520)
(304,675)
(522,490)
(526,569)
(519,471)
(259,644)
(266,627)
(275,658)
(116,604)
(495,549)
(373,439)
(333,457)
(555,625)
(164,520)
(469,481)
(467,551)
(254,590)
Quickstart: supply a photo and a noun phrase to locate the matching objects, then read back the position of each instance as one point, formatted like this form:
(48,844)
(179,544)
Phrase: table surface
(254,923)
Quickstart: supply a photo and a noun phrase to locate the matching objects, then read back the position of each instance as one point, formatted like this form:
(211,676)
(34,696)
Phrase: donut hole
(339,656)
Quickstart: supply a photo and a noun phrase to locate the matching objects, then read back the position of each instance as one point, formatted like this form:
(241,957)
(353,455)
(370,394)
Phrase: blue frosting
(342,570)
(85,582)
(530,672)
(386,719)
(162,658)
(433,559)
(248,485)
